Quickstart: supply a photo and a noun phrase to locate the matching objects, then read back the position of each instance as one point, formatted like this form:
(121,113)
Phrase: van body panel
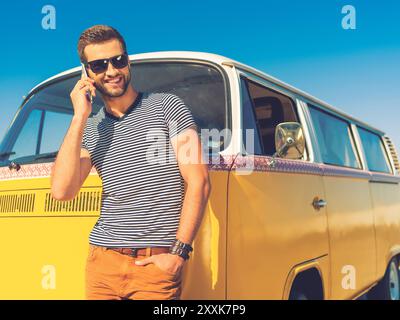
(387,222)
(45,256)
(205,272)
(45,240)
(273,226)
(351,234)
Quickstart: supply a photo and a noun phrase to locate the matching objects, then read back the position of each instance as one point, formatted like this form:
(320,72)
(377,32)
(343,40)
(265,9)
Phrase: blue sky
(299,42)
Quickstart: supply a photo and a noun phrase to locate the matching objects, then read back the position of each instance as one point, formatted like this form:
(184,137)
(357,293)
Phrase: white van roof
(220,60)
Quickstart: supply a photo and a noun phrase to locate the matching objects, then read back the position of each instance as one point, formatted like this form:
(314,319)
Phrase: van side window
(269,108)
(334,139)
(55,127)
(374,151)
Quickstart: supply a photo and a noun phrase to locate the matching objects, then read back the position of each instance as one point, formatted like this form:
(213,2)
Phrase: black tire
(389,287)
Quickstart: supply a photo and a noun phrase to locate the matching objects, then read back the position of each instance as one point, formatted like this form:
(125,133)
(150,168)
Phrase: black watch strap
(181,249)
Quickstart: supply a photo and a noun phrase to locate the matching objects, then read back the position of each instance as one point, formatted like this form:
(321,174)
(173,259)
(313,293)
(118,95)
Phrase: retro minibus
(308,207)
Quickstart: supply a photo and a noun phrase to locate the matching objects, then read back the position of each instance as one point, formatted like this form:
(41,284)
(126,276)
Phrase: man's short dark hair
(98,34)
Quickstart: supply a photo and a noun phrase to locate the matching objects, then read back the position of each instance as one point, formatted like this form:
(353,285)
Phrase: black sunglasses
(98,66)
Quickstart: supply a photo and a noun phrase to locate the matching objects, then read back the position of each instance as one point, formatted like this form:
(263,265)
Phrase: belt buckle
(134,252)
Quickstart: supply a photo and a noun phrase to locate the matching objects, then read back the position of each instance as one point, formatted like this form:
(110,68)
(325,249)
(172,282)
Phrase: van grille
(24,202)
(40,203)
(84,202)
(392,150)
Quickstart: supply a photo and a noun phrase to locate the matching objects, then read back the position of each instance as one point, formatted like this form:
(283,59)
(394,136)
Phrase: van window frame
(19,119)
(385,151)
(252,111)
(241,73)
(353,137)
(22,118)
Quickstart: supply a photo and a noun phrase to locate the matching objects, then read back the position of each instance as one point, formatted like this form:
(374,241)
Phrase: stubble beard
(107,93)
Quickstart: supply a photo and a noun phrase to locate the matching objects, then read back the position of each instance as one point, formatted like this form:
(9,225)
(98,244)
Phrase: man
(147,224)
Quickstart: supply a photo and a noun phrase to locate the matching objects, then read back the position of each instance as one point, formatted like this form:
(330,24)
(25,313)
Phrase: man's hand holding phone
(79,96)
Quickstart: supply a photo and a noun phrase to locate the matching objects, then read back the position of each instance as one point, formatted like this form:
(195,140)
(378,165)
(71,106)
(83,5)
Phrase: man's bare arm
(73,163)
(187,147)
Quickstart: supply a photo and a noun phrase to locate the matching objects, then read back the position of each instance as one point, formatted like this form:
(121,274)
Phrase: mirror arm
(280,152)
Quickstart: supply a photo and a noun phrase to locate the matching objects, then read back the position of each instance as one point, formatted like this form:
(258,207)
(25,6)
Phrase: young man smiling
(147,224)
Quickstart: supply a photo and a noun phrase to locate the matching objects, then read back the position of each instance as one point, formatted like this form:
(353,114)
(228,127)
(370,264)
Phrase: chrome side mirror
(289,141)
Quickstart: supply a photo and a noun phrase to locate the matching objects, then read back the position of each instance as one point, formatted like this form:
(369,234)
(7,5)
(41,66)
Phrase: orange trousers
(111,275)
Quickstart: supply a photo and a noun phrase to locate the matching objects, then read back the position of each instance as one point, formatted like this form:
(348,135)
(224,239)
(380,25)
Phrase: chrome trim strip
(233,162)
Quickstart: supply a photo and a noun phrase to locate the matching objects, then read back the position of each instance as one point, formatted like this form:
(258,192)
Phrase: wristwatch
(181,249)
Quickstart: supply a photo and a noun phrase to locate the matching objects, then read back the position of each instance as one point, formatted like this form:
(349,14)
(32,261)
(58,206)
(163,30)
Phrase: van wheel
(389,287)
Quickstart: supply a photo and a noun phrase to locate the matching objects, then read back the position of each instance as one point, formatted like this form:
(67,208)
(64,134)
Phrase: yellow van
(308,207)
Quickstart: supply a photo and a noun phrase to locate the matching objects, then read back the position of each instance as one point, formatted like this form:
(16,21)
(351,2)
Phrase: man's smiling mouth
(115,81)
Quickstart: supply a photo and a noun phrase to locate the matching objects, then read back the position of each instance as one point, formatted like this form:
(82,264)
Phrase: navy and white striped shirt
(143,189)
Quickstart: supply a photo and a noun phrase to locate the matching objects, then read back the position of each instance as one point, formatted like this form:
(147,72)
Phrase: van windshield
(41,124)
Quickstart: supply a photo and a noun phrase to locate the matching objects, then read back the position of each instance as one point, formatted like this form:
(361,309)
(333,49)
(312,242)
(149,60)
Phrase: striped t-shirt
(143,189)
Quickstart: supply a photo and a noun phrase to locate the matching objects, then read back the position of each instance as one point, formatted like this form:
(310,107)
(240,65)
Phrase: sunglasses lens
(98,66)
(120,62)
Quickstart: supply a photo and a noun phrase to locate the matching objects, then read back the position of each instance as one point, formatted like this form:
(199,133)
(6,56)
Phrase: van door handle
(319,203)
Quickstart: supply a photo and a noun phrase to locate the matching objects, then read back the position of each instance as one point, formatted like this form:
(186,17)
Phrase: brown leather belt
(134,252)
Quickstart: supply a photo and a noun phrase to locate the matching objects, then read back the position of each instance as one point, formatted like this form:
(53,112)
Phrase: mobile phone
(88,93)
